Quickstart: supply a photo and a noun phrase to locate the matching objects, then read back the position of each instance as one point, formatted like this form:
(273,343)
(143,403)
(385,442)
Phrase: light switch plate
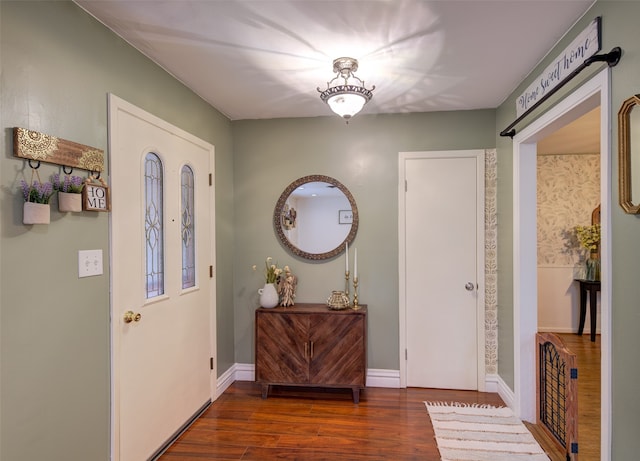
(89,263)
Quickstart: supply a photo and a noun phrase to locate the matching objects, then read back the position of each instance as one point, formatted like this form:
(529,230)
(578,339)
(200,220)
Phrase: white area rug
(481,433)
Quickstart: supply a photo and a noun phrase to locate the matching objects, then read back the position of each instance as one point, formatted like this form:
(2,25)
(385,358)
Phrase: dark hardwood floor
(311,425)
(388,424)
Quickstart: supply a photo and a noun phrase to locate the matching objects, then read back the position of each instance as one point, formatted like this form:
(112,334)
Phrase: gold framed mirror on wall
(629,155)
(315,217)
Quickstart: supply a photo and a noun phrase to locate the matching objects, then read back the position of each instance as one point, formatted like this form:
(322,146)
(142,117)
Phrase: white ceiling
(259,59)
(582,136)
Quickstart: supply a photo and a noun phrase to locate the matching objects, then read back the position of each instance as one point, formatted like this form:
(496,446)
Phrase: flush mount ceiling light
(345,93)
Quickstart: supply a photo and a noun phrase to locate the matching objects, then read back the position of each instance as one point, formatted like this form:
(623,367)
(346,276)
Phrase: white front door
(443,267)
(162,291)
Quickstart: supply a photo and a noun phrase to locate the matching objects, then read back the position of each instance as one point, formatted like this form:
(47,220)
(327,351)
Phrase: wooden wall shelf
(33,145)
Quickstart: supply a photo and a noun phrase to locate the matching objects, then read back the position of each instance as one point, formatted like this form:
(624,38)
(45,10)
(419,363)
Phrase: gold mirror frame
(279,210)
(625,179)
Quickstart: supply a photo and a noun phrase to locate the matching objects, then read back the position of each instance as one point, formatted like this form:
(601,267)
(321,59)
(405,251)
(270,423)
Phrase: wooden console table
(592,286)
(311,345)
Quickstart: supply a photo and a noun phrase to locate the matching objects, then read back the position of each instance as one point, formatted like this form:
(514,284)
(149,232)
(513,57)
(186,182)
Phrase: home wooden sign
(95,195)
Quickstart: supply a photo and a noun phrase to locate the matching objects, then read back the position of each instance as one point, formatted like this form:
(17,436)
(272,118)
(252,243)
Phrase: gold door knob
(130,316)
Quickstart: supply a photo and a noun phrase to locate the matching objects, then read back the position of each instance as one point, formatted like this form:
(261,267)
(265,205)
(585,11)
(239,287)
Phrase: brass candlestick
(356,306)
(346,283)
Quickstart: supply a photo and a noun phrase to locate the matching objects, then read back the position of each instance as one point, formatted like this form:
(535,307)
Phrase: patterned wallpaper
(491,261)
(568,192)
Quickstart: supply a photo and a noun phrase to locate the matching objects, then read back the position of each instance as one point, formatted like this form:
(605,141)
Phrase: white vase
(36,213)
(68,201)
(269,295)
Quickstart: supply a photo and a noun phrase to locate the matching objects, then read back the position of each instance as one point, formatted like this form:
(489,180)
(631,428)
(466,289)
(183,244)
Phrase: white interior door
(161,243)
(443,248)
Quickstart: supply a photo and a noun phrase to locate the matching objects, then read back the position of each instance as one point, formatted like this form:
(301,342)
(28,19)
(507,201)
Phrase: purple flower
(76,181)
(45,190)
(55,180)
(25,190)
(72,184)
(37,192)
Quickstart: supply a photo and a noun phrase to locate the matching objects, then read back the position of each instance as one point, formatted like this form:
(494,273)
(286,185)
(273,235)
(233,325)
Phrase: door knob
(469,286)
(130,316)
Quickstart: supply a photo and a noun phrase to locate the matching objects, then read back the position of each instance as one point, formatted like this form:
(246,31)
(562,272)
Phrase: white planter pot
(36,213)
(269,295)
(69,202)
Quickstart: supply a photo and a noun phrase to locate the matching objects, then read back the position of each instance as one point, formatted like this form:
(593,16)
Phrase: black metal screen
(553,392)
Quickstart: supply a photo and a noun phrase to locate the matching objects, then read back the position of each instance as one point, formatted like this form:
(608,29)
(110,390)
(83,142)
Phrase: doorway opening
(568,193)
(592,94)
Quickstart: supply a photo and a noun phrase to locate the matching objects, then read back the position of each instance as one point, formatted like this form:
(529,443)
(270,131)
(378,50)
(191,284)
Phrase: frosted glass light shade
(346,105)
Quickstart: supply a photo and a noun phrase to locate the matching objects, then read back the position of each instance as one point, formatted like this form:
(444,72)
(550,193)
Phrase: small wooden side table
(592,286)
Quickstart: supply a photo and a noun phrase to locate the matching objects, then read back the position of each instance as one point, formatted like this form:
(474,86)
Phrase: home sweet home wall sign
(587,44)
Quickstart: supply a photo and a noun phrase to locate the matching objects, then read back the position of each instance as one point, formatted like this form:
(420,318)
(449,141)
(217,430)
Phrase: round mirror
(315,216)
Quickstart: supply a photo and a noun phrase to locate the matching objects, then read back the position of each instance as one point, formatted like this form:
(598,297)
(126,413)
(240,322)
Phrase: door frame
(114,105)
(595,92)
(479,154)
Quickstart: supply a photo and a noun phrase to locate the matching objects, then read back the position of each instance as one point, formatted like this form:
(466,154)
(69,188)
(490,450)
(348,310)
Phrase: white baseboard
(225,380)
(491,383)
(383,378)
(237,372)
(246,372)
(375,378)
(495,383)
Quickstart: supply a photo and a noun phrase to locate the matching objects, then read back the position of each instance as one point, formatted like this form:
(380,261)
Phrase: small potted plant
(69,190)
(36,202)
(269,294)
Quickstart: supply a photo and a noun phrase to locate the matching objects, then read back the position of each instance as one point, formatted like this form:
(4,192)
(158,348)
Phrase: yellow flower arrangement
(589,236)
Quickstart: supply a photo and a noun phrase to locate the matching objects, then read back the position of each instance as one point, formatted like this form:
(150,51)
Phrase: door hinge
(211,363)
(210,179)
(210,272)
(406,186)
(574,373)
(406,355)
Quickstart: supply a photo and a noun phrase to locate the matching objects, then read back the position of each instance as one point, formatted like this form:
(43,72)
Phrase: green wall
(270,154)
(58,64)
(619,28)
